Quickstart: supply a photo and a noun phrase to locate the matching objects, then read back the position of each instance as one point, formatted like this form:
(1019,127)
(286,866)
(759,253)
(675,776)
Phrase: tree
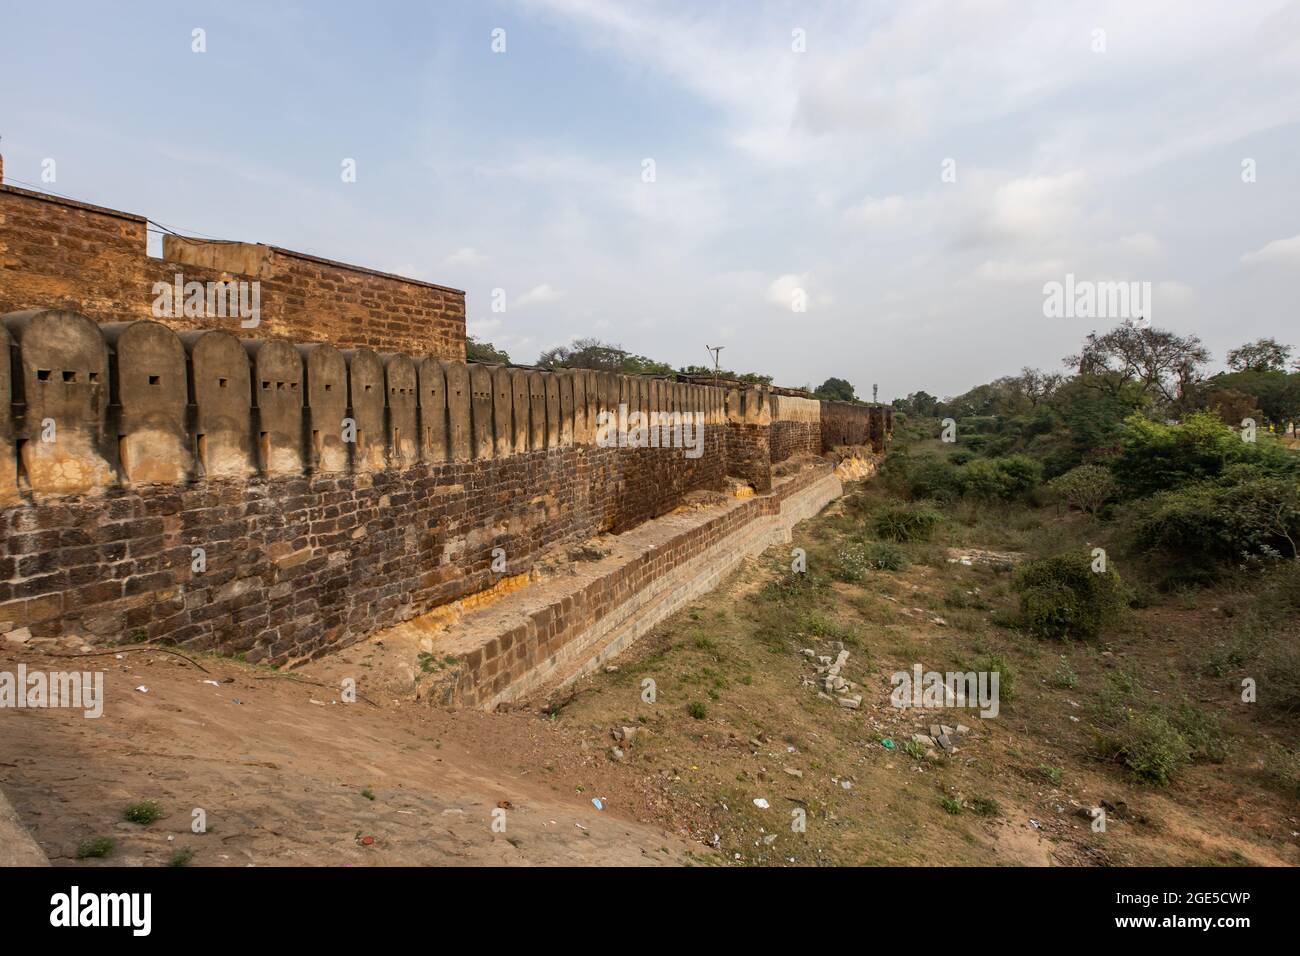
(835,390)
(486,352)
(920,404)
(1165,365)
(602,357)
(1262,355)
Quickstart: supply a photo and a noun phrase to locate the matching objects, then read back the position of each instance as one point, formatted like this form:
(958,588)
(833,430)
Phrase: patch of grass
(368,793)
(950,805)
(143,812)
(697,710)
(985,807)
(914,749)
(97,848)
(181,857)
(1202,731)
(1049,773)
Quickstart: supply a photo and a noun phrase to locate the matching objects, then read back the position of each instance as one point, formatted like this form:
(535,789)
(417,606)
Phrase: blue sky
(775,170)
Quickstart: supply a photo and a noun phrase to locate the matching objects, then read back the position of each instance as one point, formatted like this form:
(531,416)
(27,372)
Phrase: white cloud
(537,295)
(1284,252)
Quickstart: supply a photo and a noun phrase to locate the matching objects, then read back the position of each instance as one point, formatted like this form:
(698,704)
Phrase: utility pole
(875,390)
(714,350)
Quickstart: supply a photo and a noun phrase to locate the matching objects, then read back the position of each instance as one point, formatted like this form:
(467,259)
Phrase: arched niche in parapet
(219,385)
(552,383)
(8,461)
(536,410)
(564,381)
(277,405)
(459,436)
(433,410)
(519,408)
(503,416)
(62,387)
(480,384)
(366,409)
(325,392)
(148,401)
(400,390)
(581,431)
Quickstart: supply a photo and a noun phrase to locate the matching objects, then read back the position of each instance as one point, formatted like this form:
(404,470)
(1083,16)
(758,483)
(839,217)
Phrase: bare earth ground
(280,767)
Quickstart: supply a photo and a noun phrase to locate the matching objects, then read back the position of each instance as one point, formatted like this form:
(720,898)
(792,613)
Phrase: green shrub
(1202,731)
(885,557)
(851,564)
(1063,597)
(144,812)
(697,710)
(96,848)
(995,664)
(906,522)
(1156,457)
(1000,479)
(934,478)
(1149,745)
(1210,523)
(1279,678)
(1086,487)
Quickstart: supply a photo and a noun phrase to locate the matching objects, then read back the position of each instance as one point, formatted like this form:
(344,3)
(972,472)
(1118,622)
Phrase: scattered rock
(852,703)
(798,774)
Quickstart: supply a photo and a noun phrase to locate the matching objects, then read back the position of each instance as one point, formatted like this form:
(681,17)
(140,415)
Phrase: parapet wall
(847,423)
(61,253)
(282,499)
(796,427)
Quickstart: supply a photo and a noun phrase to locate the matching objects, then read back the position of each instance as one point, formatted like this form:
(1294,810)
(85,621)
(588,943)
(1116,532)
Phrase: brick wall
(796,427)
(554,637)
(847,423)
(57,253)
(162,444)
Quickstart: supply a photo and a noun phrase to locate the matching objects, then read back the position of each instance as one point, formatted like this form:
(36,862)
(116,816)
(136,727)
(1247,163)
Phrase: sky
(877,191)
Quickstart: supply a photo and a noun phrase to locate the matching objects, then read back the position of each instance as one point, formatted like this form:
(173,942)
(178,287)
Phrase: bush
(1063,597)
(886,557)
(1087,487)
(1000,479)
(906,522)
(97,848)
(1207,522)
(1157,457)
(1279,679)
(1149,745)
(144,813)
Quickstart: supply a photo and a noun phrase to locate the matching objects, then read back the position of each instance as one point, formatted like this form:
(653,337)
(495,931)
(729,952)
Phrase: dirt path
(281,778)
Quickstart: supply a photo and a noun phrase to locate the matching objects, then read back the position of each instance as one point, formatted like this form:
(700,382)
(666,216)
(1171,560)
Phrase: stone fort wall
(281,499)
(61,253)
